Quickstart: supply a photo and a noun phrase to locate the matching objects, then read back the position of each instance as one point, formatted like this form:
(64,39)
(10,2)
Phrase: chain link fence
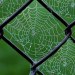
(68,32)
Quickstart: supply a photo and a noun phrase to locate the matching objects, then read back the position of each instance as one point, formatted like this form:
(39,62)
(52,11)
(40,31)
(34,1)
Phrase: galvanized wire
(67,32)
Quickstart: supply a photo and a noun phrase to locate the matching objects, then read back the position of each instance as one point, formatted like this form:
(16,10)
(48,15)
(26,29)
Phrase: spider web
(66,8)
(8,7)
(31,29)
(63,62)
(36,32)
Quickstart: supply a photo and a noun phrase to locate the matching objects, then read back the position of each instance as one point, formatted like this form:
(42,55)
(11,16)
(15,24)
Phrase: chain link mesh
(68,32)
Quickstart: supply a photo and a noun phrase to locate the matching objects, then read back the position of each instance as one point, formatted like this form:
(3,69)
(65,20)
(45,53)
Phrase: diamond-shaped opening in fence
(65,8)
(62,63)
(8,7)
(35,31)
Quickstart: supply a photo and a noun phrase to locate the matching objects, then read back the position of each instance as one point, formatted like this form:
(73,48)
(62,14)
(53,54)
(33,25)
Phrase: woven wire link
(68,32)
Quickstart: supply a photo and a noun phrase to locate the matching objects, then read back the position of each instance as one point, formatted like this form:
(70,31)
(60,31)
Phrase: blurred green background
(11,63)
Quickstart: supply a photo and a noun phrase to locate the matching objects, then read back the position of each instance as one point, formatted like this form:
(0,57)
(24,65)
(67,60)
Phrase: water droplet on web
(72,4)
(33,32)
(30,46)
(65,64)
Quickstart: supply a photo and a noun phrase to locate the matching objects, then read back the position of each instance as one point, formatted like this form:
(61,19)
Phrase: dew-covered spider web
(37,32)
(65,8)
(8,7)
(63,62)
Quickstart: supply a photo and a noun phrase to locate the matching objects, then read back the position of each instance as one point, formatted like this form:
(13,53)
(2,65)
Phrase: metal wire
(68,33)
(15,14)
(56,16)
(53,51)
